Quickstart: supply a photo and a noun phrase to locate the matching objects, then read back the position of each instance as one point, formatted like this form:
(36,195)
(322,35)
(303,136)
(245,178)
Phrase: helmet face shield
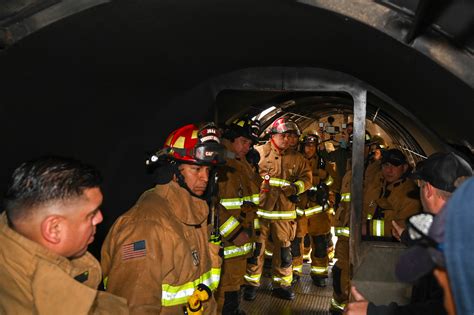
(210,153)
(284,125)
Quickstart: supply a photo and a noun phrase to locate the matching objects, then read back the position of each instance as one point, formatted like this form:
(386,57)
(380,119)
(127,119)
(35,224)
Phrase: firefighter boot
(250,293)
(285,293)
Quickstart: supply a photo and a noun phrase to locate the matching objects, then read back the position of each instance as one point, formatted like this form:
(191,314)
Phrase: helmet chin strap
(180,179)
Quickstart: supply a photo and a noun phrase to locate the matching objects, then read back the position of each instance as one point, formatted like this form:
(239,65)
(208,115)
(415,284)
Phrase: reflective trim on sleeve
(378,228)
(231,203)
(313,188)
(284,281)
(329,180)
(279,182)
(255,198)
(268,253)
(235,203)
(176,295)
(253,278)
(299,212)
(300,185)
(346,197)
(228,226)
(235,251)
(313,210)
(320,271)
(277,215)
(342,231)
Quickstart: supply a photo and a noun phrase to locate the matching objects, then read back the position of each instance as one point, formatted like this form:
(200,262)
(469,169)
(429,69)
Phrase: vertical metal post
(360,102)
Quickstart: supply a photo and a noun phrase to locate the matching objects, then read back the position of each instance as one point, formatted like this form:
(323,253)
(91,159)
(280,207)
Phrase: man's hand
(359,306)
(397,230)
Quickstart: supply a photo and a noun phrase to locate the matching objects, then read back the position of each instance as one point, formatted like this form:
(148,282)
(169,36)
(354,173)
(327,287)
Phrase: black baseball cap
(442,170)
(394,157)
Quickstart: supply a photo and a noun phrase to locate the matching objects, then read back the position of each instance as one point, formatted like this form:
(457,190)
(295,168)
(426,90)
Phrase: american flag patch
(134,250)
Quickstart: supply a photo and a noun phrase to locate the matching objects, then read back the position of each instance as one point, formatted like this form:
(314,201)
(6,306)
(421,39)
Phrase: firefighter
(341,269)
(239,187)
(158,252)
(286,175)
(51,214)
(393,196)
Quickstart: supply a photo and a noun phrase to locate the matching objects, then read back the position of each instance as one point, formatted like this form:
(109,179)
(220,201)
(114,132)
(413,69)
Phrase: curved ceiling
(103,84)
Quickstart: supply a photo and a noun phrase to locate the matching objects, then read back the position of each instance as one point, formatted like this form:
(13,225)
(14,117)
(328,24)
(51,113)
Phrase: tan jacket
(34,280)
(289,174)
(158,252)
(343,213)
(319,222)
(399,201)
(238,183)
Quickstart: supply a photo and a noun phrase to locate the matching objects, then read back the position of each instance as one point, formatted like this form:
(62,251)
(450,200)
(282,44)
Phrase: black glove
(294,198)
(322,194)
(312,195)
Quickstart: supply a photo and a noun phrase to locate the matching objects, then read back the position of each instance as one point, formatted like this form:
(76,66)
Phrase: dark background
(100,85)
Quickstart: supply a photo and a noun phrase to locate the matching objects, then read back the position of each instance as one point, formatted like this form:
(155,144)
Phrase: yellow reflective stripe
(331,211)
(313,188)
(105,282)
(231,203)
(298,268)
(255,198)
(235,203)
(331,254)
(268,253)
(277,215)
(230,225)
(256,224)
(253,278)
(235,251)
(346,197)
(299,212)
(300,185)
(313,210)
(329,181)
(378,228)
(342,231)
(176,295)
(307,256)
(279,182)
(319,270)
(369,217)
(339,306)
(284,281)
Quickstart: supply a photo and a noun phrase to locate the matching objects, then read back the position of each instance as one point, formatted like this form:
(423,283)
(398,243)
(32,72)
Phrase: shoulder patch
(134,250)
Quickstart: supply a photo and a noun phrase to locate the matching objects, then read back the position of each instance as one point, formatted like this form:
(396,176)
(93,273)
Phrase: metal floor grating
(309,298)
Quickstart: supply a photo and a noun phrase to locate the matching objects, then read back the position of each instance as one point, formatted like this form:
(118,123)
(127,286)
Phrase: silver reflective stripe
(235,251)
(284,281)
(378,227)
(319,270)
(346,197)
(230,225)
(231,203)
(277,215)
(299,212)
(300,185)
(342,231)
(176,295)
(329,181)
(253,278)
(313,210)
(279,182)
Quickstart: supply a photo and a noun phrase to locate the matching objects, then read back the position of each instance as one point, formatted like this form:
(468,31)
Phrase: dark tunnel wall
(100,85)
